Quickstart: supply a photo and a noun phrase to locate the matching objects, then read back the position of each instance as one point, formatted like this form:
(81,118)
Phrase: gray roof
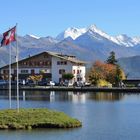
(70,58)
(67,57)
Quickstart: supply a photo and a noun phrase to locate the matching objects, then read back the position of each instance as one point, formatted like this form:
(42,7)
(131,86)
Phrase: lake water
(105,116)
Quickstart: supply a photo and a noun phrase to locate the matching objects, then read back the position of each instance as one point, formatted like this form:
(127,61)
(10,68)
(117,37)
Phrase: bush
(103,83)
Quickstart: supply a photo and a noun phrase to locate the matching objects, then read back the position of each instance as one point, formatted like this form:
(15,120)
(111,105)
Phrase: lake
(105,116)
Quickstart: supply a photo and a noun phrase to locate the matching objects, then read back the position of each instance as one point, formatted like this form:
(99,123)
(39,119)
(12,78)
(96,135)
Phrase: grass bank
(36,118)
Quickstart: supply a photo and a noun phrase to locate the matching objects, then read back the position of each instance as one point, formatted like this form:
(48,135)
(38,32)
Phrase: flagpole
(10,76)
(8,37)
(17,70)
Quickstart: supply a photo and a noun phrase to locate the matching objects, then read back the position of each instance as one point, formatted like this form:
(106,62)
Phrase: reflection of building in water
(78,97)
(103,96)
(70,94)
(52,96)
(23,95)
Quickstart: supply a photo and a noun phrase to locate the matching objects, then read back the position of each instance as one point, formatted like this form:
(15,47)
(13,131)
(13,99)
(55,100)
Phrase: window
(15,72)
(61,71)
(25,63)
(32,71)
(61,62)
(77,71)
(47,63)
(24,71)
(73,71)
(5,71)
(40,63)
(30,63)
(79,79)
(58,62)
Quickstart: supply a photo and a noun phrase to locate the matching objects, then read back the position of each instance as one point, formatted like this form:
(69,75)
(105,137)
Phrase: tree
(119,75)
(67,76)
(111,59)
(35,78)
(106,72)
(96,72)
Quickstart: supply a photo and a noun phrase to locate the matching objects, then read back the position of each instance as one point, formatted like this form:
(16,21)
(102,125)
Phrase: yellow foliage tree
(107,72)
(35,78)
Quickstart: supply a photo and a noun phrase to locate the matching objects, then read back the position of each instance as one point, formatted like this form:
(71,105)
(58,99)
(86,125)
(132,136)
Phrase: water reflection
(52,96)
(24,96)
(77,97)
(106,96)
(107,116)
(74,97)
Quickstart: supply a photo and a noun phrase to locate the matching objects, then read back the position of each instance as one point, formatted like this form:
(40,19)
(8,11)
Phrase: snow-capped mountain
(94,31)
(71,32)
(87,44)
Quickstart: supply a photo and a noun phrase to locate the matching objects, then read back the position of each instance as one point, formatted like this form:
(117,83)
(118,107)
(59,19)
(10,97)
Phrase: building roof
(70,58)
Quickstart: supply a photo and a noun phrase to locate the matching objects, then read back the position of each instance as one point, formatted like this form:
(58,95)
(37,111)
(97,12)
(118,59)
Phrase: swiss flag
(9,36)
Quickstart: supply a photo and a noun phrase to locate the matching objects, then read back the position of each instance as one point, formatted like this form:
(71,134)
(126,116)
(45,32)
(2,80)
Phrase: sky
(50,17)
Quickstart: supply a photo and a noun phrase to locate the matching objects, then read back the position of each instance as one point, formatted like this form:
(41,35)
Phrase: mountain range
(88,44)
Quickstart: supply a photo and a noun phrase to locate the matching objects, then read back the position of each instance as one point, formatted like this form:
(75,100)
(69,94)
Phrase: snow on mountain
(33,36)
(93,29)
(27,36)
(71,32)
(122,40)
(136,40)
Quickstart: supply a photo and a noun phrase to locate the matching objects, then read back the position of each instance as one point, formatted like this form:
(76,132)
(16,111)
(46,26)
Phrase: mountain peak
(71,32)
(32,36)
(93,27)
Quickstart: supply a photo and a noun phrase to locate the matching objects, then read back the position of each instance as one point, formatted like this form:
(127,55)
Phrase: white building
(53,65)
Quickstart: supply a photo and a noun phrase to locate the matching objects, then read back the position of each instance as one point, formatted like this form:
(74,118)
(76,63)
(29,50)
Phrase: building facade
(51,65)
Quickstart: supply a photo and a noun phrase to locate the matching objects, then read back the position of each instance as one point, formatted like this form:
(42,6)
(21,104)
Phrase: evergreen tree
(111,59)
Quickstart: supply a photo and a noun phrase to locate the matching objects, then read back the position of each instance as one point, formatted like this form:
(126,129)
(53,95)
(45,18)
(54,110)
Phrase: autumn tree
(120,75)
(96,72)
(35,78)
(107,72)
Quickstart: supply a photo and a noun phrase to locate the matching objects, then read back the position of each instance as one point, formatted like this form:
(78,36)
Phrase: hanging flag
(9,36)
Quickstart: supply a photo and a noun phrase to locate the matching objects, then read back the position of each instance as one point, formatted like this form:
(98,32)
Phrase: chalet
(51,64)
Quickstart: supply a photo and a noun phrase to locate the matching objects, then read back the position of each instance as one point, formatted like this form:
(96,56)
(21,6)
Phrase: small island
(36,118)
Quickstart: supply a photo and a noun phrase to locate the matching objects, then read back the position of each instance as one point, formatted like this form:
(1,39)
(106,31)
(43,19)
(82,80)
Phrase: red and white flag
(9,36)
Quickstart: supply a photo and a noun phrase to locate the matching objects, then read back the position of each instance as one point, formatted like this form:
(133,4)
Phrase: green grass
(36,118)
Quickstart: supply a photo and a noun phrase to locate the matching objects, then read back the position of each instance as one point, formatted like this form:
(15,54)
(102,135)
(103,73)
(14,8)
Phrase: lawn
(36,118)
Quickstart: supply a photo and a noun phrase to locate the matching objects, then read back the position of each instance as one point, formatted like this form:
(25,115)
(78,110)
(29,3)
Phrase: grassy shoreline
(36,118)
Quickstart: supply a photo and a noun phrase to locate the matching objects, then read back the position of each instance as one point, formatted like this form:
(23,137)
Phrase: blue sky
(50,17)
